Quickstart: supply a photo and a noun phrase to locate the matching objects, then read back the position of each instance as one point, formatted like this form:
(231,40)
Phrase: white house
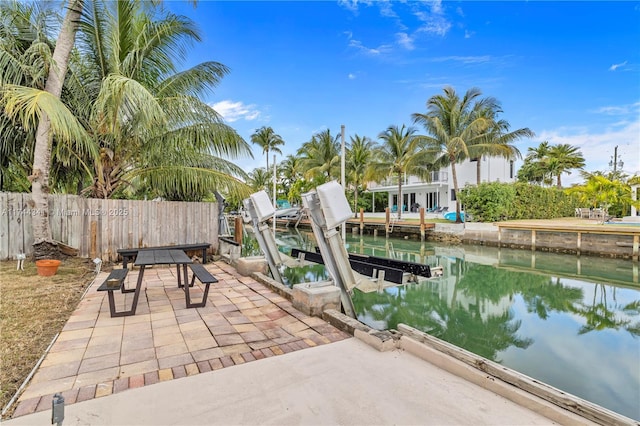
(440,191)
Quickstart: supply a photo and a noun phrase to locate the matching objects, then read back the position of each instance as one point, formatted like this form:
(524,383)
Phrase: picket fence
(98,228)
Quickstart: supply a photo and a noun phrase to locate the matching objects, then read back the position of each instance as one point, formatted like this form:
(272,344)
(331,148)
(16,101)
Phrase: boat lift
(328,208)
(258,209)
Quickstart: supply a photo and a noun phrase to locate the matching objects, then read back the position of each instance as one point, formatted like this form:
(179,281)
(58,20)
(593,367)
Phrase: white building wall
(492,169)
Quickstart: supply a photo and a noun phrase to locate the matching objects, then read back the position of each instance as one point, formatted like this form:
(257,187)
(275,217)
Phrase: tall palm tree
(321,157)
(291,170)
(453,125)
(268,140)
(498,140)
(535,168)
(147,118)
(25,50)
(359,154)
(563,158)
(42,106)
(260,179)
(402,154)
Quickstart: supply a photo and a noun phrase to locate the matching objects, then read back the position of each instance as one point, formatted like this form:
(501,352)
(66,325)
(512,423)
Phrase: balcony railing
(436,177)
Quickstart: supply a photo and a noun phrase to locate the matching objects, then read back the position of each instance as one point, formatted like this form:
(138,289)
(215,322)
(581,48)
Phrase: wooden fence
(97,228)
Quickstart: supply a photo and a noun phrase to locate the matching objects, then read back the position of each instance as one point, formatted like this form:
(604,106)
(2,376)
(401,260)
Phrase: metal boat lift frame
(327,211)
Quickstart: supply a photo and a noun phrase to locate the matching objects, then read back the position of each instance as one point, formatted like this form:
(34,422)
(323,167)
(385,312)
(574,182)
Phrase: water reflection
(571,322)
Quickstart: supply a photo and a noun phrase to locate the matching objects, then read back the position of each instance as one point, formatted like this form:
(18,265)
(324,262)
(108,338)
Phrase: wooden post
(386,220)
(361,221)
(94,242)
(533,240)
(237,230)
(422,224)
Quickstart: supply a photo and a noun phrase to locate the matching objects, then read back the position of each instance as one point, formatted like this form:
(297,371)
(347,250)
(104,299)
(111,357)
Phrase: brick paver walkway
(96,355)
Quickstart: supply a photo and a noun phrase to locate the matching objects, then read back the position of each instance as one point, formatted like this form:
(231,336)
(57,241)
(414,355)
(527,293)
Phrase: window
(511,169)
(453,195)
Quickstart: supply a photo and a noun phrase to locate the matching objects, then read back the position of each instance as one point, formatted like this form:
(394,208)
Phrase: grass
(33,309)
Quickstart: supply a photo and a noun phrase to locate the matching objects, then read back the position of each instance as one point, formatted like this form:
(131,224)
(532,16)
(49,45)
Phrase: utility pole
(275,202)
(342,179)
(614,160)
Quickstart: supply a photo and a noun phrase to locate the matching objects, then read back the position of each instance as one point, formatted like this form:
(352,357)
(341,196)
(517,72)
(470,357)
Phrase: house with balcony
(439,192)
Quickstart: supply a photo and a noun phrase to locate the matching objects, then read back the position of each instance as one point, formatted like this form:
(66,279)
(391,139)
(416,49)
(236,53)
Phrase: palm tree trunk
(399,196)
(43,241)
(454,175)
(478,171)
(355,201)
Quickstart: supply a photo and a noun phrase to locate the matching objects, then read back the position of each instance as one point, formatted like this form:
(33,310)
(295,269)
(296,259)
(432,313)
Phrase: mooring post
(386,220)
(361,221)
(421,223)
(237,230)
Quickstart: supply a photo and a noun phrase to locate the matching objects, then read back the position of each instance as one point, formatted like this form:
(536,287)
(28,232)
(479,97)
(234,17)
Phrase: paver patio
(96,355)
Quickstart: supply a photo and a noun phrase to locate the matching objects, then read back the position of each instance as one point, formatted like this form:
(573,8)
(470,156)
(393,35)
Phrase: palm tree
(498,140)
(260,179)
(599,190)
(359,154)
(25,49)
(268,140)
(291,170)
(563,158)
(147,119)
(30,105)
(534,168)
(140,118)
(321,157)
(454,125)
(401,153)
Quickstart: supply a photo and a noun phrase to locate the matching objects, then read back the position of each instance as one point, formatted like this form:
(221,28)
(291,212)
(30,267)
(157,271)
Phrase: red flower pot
(47,267)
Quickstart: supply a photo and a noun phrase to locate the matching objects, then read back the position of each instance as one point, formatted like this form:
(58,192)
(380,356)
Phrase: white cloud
(616,66)
(433,21)
(352,5)
(386,9)
(351,76)
(234,111)
(464,59)
(468,34)
(405,41)
(371,51)
(430,14)
(598,147)
(620,109)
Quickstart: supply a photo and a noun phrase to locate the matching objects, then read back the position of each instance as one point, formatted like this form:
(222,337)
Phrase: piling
(387,217)
(237,230)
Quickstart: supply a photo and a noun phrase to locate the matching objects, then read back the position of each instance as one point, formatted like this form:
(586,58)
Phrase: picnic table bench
(206,278)
(130,253)
(118,275)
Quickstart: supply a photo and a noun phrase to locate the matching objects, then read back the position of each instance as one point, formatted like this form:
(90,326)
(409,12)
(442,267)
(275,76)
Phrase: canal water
(571,322)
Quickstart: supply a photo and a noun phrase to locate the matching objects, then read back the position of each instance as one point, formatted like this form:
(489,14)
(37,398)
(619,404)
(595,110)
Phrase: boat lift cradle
(259,210)
(328,208)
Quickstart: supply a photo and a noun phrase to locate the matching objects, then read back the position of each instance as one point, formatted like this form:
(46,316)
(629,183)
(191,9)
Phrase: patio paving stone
(96,355)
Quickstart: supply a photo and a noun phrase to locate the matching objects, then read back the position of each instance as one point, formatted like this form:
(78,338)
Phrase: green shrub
(490,202)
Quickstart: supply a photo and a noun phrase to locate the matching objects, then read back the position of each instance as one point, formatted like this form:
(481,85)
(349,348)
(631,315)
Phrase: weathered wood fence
(97,228)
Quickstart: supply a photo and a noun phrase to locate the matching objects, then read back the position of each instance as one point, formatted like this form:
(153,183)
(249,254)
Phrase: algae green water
(571,322)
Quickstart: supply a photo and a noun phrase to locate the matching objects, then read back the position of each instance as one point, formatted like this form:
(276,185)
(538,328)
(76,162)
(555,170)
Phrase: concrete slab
(346,382)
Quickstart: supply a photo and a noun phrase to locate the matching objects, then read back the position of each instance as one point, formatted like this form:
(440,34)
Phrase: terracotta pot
(47,267)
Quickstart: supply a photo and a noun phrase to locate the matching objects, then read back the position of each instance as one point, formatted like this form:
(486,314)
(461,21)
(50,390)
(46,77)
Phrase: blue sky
(570,71)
